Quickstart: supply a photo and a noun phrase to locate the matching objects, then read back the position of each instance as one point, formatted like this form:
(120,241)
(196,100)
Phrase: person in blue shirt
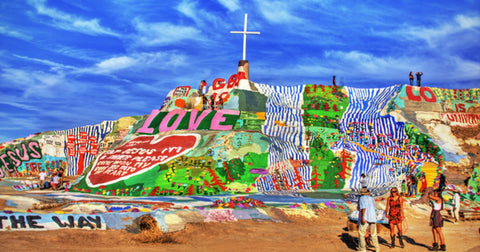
(419,78)
(367,219)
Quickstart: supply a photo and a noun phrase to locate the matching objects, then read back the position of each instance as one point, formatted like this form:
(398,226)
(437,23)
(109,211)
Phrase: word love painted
(20,221)
(137,156)
(179,119)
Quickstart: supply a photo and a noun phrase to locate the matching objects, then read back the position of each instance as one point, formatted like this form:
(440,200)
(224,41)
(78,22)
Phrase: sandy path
(327,233)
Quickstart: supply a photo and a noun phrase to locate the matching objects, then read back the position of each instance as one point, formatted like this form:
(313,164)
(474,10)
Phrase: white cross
(244,32)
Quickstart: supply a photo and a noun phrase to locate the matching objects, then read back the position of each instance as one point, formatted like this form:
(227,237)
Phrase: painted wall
(52,221)
(265,138)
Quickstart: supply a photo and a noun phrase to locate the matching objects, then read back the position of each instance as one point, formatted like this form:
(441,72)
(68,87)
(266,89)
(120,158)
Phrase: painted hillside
(246,137)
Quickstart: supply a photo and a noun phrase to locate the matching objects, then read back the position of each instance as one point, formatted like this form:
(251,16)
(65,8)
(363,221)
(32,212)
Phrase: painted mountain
(246,137)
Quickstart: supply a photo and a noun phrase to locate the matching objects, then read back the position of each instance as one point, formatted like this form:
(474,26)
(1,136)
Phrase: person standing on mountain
(202,88)
(419,78)
(410,76)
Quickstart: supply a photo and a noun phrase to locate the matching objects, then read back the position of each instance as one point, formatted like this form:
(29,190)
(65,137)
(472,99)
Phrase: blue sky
(65,64)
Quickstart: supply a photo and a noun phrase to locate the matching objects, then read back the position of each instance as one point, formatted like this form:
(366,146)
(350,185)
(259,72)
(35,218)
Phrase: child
(55,181)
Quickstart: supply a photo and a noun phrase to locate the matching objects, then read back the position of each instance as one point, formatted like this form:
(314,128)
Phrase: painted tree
(315,180)
(216,181)
(347,159)
(154,192)
(298,180)
(191,190)
(232,170)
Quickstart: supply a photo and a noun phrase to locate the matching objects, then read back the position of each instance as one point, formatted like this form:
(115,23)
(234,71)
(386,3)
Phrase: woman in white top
(436,219)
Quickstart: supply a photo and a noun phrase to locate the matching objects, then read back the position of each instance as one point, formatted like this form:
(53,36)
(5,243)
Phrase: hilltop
(265,138)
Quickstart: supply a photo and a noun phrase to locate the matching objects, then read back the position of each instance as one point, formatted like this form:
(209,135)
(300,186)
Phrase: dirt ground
(326,233)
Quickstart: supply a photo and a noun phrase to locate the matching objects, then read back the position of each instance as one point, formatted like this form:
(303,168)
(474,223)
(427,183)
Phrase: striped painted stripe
(365,106)
(98,130)
(284,122)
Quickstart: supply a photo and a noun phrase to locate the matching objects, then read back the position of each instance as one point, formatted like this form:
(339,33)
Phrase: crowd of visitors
(394,212)
(51,180)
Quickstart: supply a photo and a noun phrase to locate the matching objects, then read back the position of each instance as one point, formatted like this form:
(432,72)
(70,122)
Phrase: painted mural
(238,136)
(36,222)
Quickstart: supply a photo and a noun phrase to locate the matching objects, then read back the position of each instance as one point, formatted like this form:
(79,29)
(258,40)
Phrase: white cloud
(436,35)
(54,66)
(278,12)
(8,31)
(136,62)
(34,83)
(85,54)
(204,19)
(115,64)
(14,102)
(437,69)
(231,5)
(159,34)
(188,8)
(65,21)
(466,22)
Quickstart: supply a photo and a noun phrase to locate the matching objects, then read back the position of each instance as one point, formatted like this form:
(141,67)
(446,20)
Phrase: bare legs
(438,238)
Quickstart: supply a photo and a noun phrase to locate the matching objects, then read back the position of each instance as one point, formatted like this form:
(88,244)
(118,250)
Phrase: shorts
(436,219)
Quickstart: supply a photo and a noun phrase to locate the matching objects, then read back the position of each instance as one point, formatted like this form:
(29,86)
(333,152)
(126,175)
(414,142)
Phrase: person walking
(410,76)
(423,184)
(413,187)
(436,220)
(419,78)
(404,188)
(456,205)
(442,182)
(367,220)
(395,215)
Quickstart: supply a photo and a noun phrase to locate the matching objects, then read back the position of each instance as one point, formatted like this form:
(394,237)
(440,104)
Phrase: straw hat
(364,191)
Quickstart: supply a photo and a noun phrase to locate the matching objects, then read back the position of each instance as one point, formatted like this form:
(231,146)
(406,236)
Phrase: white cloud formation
(136,62)
(115,64)
(278,12)
(160,34)
(34,83)
(231,5)
(8,31)
(204,19)
(54,66)
(436,35)
(467,22)
(65,21)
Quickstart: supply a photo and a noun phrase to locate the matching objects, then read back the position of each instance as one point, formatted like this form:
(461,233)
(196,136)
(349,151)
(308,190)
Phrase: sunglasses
(394,191)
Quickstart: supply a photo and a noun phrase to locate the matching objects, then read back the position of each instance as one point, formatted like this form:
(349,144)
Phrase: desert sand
(325,232)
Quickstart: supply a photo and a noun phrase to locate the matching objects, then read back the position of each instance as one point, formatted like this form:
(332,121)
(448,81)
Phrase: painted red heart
(137,156)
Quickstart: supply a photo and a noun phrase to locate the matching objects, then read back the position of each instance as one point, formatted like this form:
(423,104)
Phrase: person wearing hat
(367,219)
